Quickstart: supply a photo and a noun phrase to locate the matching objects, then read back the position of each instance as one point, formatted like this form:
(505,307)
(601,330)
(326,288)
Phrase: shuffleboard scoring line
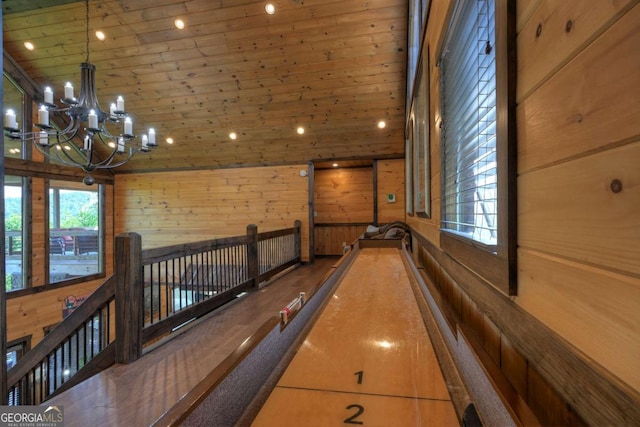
(362,393)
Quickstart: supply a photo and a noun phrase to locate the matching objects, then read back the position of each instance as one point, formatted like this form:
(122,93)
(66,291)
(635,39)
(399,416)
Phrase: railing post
(253,262)
(297,224)
(129,290)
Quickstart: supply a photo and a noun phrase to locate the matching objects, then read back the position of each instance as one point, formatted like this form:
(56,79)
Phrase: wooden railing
(79,347)
(152,294)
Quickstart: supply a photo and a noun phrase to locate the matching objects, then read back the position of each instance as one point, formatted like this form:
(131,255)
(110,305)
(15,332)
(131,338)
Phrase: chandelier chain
(87,21)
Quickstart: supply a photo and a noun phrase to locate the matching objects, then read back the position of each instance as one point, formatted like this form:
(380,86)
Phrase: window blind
(468,64)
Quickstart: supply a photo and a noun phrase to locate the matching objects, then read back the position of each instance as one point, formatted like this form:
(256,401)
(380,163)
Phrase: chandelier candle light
(76,144)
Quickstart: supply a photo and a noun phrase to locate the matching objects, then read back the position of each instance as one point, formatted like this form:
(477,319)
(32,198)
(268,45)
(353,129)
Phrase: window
(75,238)
(409,162)
(422,179)
(417,21)
(417,154)
(14,98)
(14,240)
(15,350)
(478,144)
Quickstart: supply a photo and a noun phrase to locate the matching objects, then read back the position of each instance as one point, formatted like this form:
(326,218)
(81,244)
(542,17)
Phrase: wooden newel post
(253,262)
(129,297)
(297,224)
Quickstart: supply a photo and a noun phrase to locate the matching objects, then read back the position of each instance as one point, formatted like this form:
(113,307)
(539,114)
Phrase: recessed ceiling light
(29,45)
(335,165)
(179,23)
(169,140)
(381,124)
(100,35)
(270,8)
(300,130)
(233,135)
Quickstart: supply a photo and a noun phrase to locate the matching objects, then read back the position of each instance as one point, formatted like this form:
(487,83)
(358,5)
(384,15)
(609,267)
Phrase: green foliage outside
(78,209)
(13,222)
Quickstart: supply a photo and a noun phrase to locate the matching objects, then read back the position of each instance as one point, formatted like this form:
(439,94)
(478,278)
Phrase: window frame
(417,168)
(409,163)
(421,165)
(101,264)
(496,264)
(25,234)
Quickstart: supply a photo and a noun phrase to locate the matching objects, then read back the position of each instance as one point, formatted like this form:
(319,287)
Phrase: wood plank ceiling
(335,67)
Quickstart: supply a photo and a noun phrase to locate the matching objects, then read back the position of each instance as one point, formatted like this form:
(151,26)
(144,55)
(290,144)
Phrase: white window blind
(468,64)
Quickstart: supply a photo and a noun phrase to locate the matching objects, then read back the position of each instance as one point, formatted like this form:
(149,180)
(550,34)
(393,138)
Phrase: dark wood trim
(30,168)
(375,192)
(129,297)
(506,133)
(275,233)
(513,401)
(51,286)
(3,291)
(150,256)
(21,78)
(490,266)
(253,260)
(297,224)
(312,224)
(594,393)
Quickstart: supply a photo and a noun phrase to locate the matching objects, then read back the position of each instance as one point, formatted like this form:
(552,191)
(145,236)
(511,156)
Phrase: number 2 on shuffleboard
(353,419)
(359,374)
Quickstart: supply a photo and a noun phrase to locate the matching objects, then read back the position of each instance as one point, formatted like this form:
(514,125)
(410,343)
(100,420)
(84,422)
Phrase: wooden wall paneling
(514,366)
(330,237)
(344,195)
(390,175)
(179,207)
(39,258)
(30,314)
(573,210)
(598,396)
(556,32)
(595,310)
(563,119)
(547,404)
(108,230)
(491,340)
(524,10)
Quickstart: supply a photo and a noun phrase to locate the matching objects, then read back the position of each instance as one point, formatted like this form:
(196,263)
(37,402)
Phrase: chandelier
(87,128)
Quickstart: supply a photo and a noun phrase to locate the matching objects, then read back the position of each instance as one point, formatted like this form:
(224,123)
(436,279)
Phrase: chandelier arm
(55,156)
(73,126)
(70,160)
(106,163)
(120,163)
(68,136)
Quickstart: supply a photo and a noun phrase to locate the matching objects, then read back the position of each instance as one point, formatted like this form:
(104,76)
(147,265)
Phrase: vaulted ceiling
(334,67)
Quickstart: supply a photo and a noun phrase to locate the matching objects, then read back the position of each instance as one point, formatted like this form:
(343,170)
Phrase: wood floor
(138,394)
(368,358)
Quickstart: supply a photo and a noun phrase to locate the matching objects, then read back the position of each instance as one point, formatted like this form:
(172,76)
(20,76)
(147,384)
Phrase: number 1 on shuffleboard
(359,374)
